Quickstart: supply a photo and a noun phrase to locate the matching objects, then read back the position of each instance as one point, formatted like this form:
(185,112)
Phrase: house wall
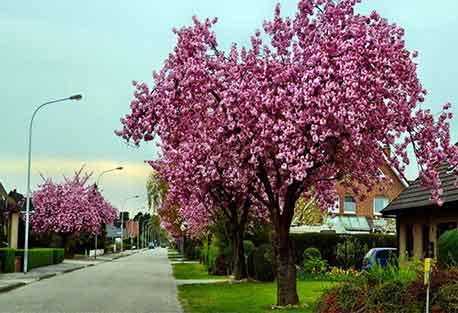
(417,218)
(366,207)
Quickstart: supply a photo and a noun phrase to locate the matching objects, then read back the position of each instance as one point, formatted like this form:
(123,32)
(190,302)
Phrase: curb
(11,287)
(72,269)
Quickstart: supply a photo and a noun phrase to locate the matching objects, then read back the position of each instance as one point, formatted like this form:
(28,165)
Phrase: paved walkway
(141,283)
(9,281)
(201,281)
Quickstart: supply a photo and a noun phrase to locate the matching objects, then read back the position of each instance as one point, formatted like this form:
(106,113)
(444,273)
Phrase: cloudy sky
(51,49)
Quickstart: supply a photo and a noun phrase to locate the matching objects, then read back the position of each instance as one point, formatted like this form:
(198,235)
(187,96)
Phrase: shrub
(58,255)
(350,253)
(448,248)
(311,253)
(263,263)
(248,246)
(377,290)
(446,299)
(344,298)
(7,258)
(37,257)
(327,244)
(313,264)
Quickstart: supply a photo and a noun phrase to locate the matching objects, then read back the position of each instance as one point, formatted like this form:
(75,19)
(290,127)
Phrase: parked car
(380,256)
(151,245)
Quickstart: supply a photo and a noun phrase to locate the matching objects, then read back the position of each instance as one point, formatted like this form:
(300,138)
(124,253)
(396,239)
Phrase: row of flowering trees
(313,100)
(70,208)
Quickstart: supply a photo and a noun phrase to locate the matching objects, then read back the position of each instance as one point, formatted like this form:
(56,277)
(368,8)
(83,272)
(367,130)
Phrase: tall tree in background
(320,99)
(156,189)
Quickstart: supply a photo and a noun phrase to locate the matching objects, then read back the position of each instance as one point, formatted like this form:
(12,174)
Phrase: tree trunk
(239,269)
(286,268)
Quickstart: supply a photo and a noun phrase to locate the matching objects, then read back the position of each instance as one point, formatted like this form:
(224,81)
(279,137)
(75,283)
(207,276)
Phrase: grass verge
(245,297)
(192,271)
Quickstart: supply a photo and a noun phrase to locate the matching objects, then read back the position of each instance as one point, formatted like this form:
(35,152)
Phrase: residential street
(138,283)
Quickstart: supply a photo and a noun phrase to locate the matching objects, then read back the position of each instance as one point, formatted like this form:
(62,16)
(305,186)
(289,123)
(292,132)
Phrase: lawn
(244,297)
(192,271)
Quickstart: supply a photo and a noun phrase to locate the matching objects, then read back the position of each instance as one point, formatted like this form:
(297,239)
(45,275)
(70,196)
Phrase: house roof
(401,178)
(416,196)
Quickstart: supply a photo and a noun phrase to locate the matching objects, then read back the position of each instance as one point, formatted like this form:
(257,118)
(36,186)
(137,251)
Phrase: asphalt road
(139,283)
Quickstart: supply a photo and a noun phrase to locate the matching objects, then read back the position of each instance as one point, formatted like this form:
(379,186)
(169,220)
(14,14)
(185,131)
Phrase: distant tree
(70,208)
(156,189)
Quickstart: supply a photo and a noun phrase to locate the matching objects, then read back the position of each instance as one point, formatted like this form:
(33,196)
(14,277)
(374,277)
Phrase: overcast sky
(52,49)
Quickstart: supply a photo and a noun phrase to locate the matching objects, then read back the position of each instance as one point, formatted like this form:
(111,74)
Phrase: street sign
(427,281)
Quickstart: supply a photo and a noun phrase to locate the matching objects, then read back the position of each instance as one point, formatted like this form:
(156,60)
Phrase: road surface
(139,283)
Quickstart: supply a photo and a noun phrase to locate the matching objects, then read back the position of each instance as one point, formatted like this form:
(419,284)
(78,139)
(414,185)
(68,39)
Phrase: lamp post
(119,168)
(122,220)
(29,164)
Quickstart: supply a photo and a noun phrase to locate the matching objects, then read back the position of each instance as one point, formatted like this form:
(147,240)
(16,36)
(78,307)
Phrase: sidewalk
(9,281)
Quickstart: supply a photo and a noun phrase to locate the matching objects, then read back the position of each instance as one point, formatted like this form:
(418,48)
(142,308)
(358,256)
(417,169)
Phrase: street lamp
(119,168)
(122,219)
(29,163)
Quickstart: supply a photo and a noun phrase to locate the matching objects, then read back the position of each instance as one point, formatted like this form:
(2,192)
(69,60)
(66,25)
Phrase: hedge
(7,258)
(58,255)
(327,244)
(448,248)
(38,257)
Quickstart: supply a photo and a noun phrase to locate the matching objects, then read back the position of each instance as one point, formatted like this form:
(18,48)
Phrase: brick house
(132,228)
(419,221)
(350,214)
(375,201)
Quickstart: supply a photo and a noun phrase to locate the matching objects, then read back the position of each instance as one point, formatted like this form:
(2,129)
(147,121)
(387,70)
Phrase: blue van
(381,257)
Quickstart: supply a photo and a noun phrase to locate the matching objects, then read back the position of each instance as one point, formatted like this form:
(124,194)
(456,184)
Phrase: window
(335,207)
(349,205)
(380,202)
(409,240)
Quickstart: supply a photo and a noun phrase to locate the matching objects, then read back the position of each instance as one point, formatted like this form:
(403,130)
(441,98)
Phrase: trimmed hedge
(58,254)
(448,248)
(7,258)
(41,256)
(327,244)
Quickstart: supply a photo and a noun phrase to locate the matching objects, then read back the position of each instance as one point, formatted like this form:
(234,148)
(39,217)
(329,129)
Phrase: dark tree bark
(238,218)
(284,257)
(239,269)
(285,268)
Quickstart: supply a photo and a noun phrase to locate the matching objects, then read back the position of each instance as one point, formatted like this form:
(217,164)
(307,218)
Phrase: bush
(446,299)
(37,257)
(248,247)
(263,263)
(327,245)
(350,253)
(448,248)
(311,253)
(7,258)
(58,254)
(315,266)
